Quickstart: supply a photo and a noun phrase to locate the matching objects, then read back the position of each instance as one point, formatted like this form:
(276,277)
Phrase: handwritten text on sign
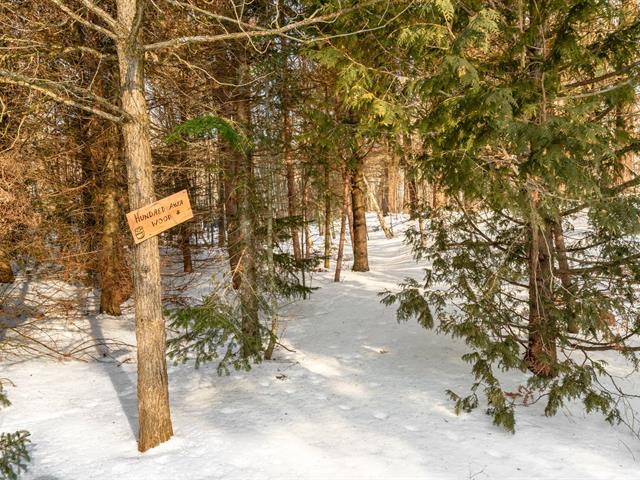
(159,216)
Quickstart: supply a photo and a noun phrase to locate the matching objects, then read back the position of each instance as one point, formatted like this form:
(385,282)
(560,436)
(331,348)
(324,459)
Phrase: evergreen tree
(14,454)
(536,263)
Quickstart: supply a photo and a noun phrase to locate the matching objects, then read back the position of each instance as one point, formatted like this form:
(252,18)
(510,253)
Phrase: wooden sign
(155,218)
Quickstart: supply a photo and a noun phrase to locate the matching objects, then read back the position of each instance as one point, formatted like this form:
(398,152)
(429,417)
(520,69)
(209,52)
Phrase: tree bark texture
(359,239)
(153,389)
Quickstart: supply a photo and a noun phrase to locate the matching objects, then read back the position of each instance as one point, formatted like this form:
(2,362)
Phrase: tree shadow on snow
(123,386)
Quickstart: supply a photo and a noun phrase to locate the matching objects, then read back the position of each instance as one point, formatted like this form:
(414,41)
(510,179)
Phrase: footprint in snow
(344,407)
(381,415)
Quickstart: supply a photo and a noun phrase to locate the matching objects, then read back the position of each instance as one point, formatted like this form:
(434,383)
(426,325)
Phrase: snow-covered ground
(362,397)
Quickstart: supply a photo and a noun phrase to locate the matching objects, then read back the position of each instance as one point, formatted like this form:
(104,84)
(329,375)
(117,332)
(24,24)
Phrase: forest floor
(359,397)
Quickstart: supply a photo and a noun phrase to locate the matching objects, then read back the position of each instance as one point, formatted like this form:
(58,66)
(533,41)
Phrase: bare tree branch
(215,16)
(602,77)
(44,88)
(83,21)
(258,31)
(37,47)
(108,19)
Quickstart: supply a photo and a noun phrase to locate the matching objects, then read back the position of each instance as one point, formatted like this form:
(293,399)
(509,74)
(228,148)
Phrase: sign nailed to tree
(159,216)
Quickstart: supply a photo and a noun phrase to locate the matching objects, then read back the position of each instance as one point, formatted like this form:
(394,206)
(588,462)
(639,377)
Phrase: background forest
(497,139)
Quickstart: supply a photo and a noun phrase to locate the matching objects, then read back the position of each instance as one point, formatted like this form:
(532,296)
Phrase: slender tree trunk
(6,272)
(249,284)
(413,195)
(222,228)
(292,195)
(232,220)
(374,203)
(153,386)
(327,219)
(541,352)
(563,267)
(391,176)
(184,230)
(308,239)
(561,252)
(359,240)
(246,249)
(410,187)
(231,188)
(625,118)
(103,169)
(343,225)
(88,226)
(271,269)
(115,283)
(350,219)
(185,248)
(384,192)
(115,277)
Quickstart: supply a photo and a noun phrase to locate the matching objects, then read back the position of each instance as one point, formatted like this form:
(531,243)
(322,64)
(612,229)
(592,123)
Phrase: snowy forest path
(359,397)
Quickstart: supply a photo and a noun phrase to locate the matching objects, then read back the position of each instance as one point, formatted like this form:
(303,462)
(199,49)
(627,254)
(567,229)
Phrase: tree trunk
(271,269)
(115,277)
(391,176)
(308,239)
(232,220)
(625,117)
(292,195)
(246,249)
(563,267)
(88,225)
(102,167)
(185,248)
(221,211)
(541,352)
(153,389)
(184,230)
(343,225)
(359,239)
(384,191)
(327,219)
(6,272)
(374,203)
(410,187)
